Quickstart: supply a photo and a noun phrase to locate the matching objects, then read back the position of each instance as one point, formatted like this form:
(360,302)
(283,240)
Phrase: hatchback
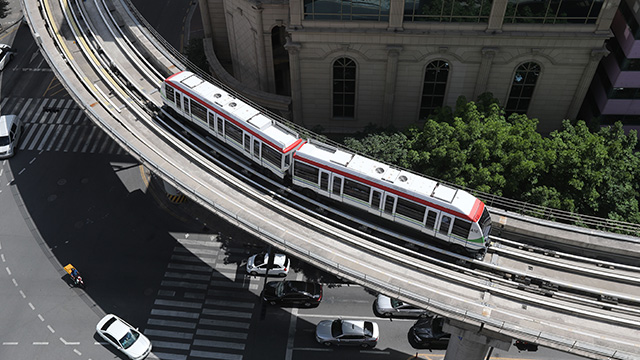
(388,307)
(427,333)
(10,131)
(258,264)
(6,54)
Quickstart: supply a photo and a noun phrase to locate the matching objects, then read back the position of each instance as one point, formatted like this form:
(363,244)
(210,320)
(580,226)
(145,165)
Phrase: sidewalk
(10,23)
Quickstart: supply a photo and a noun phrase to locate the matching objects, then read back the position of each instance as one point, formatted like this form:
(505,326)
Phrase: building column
(469,342)
(206,20)
(261,54)
(396,12)
(496,18)
(296,79)
(393,52)
(585,82)
(295,14)
(488,53)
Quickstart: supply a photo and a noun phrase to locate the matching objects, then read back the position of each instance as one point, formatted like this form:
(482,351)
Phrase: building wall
(565,53)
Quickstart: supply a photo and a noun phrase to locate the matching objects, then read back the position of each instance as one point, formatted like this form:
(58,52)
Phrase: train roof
(235,110)
(396,180)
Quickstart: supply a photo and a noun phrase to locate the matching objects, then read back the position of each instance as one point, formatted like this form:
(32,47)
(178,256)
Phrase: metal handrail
(515,206)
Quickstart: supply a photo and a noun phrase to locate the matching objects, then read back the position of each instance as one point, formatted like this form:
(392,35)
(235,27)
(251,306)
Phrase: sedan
(259,263)
(427,334)
(388,307)
(293,293)
(6,54)
(347,332)
(124,337)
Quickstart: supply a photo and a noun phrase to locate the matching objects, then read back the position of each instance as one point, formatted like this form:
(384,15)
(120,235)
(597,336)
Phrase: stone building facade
(350,63)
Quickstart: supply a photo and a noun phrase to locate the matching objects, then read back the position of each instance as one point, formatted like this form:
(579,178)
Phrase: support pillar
(206,20)
(393,52)
(585,82)
(469,342)
(488,53)
(261,54)
(296,80)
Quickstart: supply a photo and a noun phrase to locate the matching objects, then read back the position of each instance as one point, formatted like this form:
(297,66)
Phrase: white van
(10,131)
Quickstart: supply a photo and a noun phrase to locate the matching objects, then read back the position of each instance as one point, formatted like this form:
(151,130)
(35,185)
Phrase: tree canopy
(475,145)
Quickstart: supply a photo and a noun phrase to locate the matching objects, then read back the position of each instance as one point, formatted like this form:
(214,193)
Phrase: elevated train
(446,213)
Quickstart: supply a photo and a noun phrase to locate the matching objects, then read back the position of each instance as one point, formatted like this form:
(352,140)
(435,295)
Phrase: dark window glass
(388,204)
(376,10)
(375,200)
(212,122)
(233,132)
(324,181)
(337,185)
(256,148)
(179,101)
(305,172)
(431,219)
(630,19)
(344,88)
(461,228)
(444,224)
(356,190)
(271,155)
(220,126)
(247,143)
(287,160)
(524,82)
(447,10)
(553,11)
(624,63)
(410,209)
(435,84)
(198,111)
(170,93)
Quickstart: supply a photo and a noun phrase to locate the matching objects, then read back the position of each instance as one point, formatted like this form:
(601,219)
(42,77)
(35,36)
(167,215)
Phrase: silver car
(10,131)
(388,307)
(258,264)
(347,332)
(6,54)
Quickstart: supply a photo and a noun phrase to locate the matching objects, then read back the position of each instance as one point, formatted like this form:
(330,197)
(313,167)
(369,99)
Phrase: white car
(257,264)
(388,307)
(10,131)
(6,54)
(124,337)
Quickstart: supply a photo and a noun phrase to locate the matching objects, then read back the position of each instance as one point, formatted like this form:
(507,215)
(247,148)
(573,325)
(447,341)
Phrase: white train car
(232,121)
(444,212)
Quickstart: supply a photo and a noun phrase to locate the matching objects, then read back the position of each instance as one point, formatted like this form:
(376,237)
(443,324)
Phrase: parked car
(427,333)
(10,131)
(293,293)
(258,263)
(388,307)
(124,337)
(347,332)
(6,54)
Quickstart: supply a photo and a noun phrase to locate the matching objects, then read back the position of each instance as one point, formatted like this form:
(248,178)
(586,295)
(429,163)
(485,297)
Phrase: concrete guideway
(495,311)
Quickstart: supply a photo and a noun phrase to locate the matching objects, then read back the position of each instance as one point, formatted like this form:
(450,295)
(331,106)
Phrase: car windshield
(260,259)
(129,339)
(280,289)
(4,140)
(336,328)
(368,328)
(395,303)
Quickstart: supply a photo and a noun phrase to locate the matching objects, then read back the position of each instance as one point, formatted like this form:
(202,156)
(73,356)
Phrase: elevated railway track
(581,305)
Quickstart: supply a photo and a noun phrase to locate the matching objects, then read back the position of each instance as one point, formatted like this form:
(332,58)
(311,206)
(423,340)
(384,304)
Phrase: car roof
(352,327)
(115,327)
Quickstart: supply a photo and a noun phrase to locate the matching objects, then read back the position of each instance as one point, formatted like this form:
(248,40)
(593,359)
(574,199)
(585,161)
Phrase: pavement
(10,23)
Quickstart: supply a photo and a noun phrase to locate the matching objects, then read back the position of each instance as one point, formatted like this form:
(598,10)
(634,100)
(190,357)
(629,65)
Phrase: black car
(293,293)
(427,334)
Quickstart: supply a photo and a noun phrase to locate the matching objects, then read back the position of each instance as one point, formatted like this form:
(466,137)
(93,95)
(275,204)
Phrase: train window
(431,219)
(337,185)
(287,160)
(272,156)
(212,122)
(305,172)
(199,111)
(375,199)
(247,143)
(256,148)
(444,224)
(410,209)
(356,190)
(388,204)
(179,101)
(233,132)
(170,93)
(324,181)
(185,104)
(461,228)
(220,126)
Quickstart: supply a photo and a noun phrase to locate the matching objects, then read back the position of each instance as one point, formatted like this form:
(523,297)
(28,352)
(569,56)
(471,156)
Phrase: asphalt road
(71,196)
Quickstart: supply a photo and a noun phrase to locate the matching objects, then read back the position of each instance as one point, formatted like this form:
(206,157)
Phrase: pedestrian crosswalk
(52,124)
(204,307)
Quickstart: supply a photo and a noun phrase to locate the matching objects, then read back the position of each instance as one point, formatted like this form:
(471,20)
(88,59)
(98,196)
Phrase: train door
(336,188)
(430,222)
(389,206)
(256,151)
(445,227)
(324,181)
(247,144)
(220,127)
(376,198)
(212,122)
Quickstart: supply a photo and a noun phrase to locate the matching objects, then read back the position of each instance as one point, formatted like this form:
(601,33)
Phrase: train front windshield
(485,224)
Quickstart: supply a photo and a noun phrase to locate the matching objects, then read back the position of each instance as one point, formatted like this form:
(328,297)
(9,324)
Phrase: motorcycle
(75,276)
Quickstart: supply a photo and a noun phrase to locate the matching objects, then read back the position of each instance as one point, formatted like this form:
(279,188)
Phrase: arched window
(344,88)
(522,87)
(435,84)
